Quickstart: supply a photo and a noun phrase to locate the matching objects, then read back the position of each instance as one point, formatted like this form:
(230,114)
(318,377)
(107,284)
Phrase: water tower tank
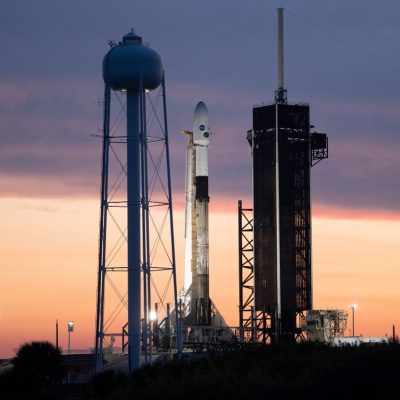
(124,64)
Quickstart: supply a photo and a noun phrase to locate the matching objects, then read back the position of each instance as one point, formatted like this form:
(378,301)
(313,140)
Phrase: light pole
(70,329)
(353,307)
(154,320)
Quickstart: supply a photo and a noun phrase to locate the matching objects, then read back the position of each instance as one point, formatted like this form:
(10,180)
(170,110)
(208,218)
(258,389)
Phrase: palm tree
(37,366)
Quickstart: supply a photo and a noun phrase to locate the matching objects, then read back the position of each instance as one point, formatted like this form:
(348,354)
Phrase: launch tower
(283,150)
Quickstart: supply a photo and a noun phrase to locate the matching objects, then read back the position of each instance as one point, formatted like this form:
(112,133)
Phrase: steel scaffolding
(157,249)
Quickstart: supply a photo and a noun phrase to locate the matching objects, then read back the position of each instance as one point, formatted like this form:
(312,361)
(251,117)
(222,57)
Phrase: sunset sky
(342,58)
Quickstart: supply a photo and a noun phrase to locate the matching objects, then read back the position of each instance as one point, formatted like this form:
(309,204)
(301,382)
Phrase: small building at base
(358,340)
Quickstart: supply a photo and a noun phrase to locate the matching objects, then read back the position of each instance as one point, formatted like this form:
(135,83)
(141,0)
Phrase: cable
(365,160)
(349,45)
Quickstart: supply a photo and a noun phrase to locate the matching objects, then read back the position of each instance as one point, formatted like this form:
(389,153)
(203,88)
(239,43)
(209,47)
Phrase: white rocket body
(196,230)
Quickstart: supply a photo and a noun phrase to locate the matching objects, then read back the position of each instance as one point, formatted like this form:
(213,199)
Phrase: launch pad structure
(275,269)
(325,325)
(275,264)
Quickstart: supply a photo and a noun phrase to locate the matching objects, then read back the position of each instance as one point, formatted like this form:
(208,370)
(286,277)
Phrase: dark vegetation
(36,369)
(287,371)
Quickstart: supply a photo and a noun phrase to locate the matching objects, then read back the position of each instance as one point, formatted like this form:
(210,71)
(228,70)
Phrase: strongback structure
(283,150)
(136,225)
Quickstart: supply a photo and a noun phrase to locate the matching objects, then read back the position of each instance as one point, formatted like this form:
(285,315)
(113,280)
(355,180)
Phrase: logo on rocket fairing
(202,127)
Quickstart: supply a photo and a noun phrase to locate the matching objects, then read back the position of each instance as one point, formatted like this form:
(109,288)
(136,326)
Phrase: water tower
(135,187)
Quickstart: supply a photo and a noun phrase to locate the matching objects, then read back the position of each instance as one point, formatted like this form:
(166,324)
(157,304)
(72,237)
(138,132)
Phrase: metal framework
(157,248)
(246,273)
(278,279)
(319,147)
(254,325)
(283,151)
(324,325)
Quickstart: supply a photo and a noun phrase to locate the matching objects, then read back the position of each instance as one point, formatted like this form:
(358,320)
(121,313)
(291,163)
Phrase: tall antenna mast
(280,93)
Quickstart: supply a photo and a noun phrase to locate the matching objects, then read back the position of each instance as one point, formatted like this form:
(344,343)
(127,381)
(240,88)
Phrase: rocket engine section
(201,140)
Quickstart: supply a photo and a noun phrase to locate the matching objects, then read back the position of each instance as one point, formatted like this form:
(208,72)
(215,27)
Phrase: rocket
(196,287)
(201,140)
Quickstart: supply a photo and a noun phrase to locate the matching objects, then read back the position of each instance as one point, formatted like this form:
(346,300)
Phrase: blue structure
(131,68)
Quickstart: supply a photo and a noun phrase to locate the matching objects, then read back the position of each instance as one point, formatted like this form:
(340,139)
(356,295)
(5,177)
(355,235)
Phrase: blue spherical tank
(124,64)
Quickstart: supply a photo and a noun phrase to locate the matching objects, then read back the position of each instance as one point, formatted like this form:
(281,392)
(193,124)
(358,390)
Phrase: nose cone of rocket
(201,125)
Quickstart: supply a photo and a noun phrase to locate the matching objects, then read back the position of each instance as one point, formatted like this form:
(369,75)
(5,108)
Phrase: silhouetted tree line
(36,369)
(286,371)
